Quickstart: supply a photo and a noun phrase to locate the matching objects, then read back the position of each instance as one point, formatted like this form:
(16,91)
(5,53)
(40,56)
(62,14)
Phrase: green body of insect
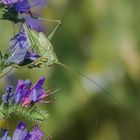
(30,113)
(42,46)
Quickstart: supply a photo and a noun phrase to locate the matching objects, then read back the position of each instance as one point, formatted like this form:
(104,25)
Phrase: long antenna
(91,80)
(50,36)
(67,67)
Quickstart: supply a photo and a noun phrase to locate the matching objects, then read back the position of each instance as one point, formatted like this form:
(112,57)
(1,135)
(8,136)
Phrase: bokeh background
(101,39)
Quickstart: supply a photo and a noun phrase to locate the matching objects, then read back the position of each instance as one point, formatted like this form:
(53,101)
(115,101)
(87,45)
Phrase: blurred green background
(100,38)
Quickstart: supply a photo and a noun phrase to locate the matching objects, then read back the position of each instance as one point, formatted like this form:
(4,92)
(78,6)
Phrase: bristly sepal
(29,113)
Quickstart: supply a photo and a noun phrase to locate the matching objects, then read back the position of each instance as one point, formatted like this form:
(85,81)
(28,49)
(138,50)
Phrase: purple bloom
(19,50)
(34,24)
(9,2)
(36,134)
(7,96)
(22,6)
(21,133)
(25,93)
(35,94)
(5,135)
(21,90)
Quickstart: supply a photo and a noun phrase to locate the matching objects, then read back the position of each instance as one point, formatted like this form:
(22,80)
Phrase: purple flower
(36,134)
(20,11)
(34,24)
(19,50)
(25,93)
(22,6)
(21,133)
(5,135)
(21,90)
(36,93)
(9,2)
(7,96)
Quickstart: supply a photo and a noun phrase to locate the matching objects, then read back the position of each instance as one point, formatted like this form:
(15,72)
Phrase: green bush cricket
(42,45)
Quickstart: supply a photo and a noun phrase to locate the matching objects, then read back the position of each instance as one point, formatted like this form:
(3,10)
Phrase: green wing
(32,38)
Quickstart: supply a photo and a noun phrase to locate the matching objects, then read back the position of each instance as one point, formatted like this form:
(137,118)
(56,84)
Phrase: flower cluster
(25,93)
(22,6)
(21,133)
(22,99)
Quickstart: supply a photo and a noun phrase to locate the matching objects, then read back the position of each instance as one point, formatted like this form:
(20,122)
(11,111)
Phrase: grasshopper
(41,44)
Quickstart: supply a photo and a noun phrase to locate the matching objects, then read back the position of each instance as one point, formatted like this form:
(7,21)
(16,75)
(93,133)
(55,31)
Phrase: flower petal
(22,6)
(9,2)
(37,91)
(7,96)
(36,134)
(20,130)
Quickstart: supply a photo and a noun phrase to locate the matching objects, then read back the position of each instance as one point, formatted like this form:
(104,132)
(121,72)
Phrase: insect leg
(50,36)
(92,81)
(35,63)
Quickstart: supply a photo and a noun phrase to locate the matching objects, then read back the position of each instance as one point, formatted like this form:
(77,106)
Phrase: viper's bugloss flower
(22,6)
(25,93)
(20,11)
(7,96)
(19,50)
(9,2)
(22,100)
(21,133)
